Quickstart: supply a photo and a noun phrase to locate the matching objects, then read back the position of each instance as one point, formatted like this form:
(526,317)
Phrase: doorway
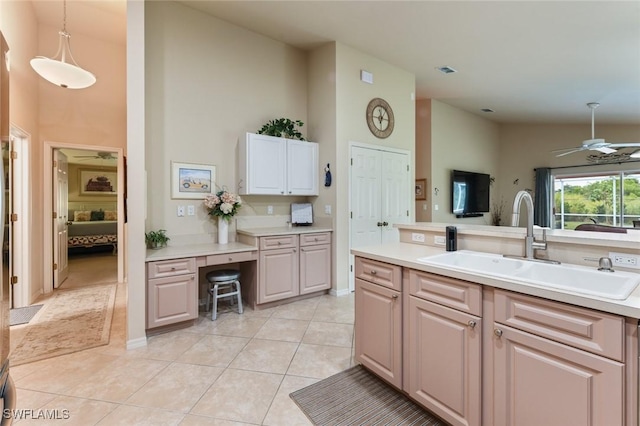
(95,191)
(380,196)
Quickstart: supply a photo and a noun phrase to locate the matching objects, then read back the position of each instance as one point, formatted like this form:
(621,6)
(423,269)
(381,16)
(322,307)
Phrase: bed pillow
(81,216)
(97,215)
(110,215)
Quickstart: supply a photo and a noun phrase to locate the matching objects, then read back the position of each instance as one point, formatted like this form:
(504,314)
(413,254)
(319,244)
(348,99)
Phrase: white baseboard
(338,293)
(140,342)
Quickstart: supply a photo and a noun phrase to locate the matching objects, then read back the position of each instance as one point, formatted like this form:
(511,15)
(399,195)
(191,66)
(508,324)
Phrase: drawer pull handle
(279,242)
(316,239)
(497,332)
(472,324)
(230,259)
(395,296)
(373,272)
(173,268)
(193,278)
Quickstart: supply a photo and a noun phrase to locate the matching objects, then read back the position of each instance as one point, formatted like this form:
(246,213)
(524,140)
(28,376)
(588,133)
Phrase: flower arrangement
(223,204)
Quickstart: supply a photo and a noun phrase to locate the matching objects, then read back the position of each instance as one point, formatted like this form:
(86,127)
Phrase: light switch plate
(269,209)
(191,210)
(180,211)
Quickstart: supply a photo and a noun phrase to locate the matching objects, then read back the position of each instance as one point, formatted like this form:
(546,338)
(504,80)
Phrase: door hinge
(14,279)
(14,155)
(55,164)
(407,167)
(351,268)
(351,215)
(407,212)
(55,215)
(352,161)
(55,266)
(13,217)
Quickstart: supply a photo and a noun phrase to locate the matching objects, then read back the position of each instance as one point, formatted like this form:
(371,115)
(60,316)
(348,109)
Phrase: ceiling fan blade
(604,149)
(570,152)
(625,145)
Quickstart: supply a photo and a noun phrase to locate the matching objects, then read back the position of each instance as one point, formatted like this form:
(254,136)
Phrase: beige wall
(394,85)
(208,83)
(423,157)
(463,141)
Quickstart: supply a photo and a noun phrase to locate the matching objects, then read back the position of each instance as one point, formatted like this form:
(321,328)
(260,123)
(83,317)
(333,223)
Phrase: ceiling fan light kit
(598,144)
(65,74)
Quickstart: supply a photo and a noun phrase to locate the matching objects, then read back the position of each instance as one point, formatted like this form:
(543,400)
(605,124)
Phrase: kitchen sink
(579,279)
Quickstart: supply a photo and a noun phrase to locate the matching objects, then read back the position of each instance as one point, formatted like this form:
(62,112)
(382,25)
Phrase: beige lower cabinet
(378,319)
(542,372)
(172,292)
(445,347)
(290,265)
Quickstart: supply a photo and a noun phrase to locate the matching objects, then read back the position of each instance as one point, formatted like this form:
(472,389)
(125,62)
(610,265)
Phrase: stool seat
(223,283)
(223,275)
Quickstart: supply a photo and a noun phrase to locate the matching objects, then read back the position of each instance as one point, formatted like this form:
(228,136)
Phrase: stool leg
(214,308)
(208,297)
(240,309)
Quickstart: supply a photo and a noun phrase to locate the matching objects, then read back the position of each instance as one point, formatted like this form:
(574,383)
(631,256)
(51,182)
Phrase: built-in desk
(174,275)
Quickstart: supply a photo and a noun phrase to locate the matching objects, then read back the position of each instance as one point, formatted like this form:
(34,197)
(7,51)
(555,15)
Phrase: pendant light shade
(57,70)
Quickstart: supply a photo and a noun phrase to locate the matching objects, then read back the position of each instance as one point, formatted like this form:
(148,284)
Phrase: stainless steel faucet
(530,244)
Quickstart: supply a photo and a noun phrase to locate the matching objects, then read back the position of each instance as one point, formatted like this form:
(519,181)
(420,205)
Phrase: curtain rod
(588,165)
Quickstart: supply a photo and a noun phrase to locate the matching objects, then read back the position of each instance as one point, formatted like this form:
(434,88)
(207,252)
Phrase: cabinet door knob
(279,242)
(497,332)
(289,192)
(230,259)
(294,250)
(373,272)
(472,324)
(395,296)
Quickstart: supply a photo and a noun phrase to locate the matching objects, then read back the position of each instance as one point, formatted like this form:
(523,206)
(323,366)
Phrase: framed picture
(192,181)
(97,182)
(421,189)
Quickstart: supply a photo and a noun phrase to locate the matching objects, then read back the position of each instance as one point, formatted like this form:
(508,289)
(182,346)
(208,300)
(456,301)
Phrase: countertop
(282,230)
(405,254)
(195,250)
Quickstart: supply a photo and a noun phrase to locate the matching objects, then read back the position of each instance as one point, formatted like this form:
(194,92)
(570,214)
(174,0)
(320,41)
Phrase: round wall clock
(380,118)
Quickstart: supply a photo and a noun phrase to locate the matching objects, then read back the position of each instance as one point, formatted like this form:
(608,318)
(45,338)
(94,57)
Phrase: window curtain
(542,205)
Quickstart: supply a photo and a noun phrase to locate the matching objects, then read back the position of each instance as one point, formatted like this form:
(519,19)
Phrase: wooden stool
(223,283)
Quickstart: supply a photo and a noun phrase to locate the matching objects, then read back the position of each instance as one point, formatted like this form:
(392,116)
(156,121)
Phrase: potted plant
(156,239)
(282,128)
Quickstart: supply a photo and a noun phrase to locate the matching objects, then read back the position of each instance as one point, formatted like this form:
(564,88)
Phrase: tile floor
(237,370)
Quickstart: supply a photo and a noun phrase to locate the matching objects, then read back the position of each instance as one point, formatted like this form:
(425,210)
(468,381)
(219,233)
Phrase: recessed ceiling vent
(446,69)
(487,110)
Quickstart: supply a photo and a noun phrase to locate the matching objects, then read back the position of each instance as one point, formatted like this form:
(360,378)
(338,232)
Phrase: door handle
(379,223)
(385,223)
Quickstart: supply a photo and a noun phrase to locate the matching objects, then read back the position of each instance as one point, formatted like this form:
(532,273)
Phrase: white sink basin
(579,279)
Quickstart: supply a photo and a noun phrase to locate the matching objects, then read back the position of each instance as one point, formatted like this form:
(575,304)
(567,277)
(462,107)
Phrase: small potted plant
(156,239)
(282,128)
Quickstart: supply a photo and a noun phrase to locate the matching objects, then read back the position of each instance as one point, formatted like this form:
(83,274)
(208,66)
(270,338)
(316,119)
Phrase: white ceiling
(536,61)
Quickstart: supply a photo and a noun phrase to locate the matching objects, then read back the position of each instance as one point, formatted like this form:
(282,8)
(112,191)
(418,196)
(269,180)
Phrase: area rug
(356,397)
(19,316)
(72,320)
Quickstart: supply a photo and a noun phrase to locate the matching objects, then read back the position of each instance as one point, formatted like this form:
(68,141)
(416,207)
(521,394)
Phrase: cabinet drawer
(221,259)
(278,242)
(314,239)
(593,331)
(457,294)
(169,268)
(379,273)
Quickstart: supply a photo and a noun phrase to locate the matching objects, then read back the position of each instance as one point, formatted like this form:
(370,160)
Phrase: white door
(380,196)
(266,165)
(60,208)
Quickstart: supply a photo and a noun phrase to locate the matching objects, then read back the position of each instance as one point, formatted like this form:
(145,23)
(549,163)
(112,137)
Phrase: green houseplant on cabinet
(156,239)
(282,128)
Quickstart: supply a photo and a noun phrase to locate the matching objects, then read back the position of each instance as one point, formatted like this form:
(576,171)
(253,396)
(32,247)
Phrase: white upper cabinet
(277,166)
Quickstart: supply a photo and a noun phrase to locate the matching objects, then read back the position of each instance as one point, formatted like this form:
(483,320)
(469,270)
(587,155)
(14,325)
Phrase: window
(611,198)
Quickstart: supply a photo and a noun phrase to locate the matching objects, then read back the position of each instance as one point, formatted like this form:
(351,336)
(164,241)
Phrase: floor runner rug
(356,397)
(19,316)
(73,320)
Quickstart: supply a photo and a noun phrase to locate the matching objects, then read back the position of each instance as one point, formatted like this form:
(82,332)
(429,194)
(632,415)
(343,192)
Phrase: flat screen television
(469,193)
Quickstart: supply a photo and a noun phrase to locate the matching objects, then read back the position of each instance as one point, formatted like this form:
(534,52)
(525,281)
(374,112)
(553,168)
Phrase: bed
(95,227)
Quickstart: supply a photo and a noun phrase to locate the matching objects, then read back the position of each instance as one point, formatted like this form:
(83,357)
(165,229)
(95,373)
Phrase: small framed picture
(192,181)
(421,189)
(97,182)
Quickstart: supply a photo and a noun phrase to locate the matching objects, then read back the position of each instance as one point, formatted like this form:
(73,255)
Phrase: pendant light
(59,71)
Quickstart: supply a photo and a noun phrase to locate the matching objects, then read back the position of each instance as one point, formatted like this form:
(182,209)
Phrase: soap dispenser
(452,238)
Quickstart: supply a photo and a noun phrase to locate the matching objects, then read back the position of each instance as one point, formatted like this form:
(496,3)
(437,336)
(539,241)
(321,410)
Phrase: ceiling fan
(98,156)
(595,144)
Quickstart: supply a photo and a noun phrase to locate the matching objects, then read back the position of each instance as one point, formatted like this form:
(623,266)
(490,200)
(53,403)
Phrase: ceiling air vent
(446,69)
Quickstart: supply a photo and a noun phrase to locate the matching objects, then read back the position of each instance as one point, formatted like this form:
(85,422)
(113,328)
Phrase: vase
(223,231)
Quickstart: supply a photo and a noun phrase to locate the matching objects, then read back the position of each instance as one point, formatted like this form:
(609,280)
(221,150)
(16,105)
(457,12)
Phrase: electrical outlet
(180,211)
(625,260)
(417,237)
(327,209)
(439,240)
(269,209)
(191,210)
